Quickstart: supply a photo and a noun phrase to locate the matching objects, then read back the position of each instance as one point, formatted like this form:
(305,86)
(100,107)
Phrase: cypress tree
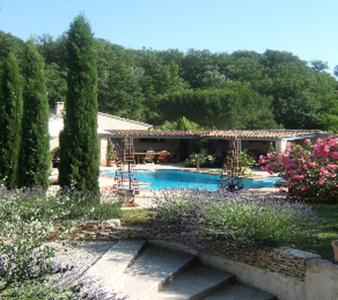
(79,165)
(10,120)
(34,155)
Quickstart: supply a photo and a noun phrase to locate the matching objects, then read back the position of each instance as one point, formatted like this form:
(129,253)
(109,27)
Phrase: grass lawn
(327,231)
(135,216)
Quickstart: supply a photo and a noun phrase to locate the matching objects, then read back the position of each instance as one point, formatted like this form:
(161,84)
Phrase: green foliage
(284,90)
(181,124)
(247,161)
(27,218)
(111,151)
(237,106)
(8,42)
(185,124)
(253,222)
(23,255)
(34,157)
(11,106)
(206,218)
(37,290)
(61,206)
(198,159)
(78,141)
(136,216)
(56,84)
(104,211)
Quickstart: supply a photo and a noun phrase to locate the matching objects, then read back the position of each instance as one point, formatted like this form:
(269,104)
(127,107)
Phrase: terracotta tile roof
(265,134)
(153,133)
(226,134)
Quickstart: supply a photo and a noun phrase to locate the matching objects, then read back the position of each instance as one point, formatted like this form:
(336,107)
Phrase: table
(139,156)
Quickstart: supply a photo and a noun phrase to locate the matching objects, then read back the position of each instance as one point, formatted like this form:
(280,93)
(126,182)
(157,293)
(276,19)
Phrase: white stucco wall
(108,122)
(103,143)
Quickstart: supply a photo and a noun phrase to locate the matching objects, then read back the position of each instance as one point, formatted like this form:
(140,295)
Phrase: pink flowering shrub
(309,171)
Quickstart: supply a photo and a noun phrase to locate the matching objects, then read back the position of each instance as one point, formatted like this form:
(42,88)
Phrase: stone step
(78,260)
(111,266)
(238,291)
(194,283)
(153,268)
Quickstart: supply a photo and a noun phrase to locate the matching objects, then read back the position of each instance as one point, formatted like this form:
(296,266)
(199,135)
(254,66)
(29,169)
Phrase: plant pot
(335,249)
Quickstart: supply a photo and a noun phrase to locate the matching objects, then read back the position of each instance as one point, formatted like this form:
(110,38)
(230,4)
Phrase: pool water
(179,179)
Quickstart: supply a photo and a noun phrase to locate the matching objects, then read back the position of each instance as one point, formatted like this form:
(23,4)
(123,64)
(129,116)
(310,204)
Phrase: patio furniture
(163,156)
(150,156)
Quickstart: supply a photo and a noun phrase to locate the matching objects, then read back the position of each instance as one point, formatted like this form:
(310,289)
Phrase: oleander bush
(310,171)
(204,217)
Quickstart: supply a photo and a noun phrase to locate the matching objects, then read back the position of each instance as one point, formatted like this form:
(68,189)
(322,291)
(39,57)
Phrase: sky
(307,28)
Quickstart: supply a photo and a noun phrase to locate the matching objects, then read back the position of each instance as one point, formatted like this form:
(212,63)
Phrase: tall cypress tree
(10,120)
(79,166)
(34,155)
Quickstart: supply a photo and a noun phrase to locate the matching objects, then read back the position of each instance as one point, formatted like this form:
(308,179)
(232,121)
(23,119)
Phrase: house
(105,123)
(181,143)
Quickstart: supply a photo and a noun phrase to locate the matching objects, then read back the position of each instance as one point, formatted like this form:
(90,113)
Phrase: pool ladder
(125,177)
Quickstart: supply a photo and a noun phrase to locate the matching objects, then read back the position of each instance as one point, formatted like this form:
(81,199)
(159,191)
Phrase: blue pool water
(178,179)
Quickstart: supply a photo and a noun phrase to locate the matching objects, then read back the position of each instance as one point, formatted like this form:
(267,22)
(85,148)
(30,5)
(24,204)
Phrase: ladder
(125,176)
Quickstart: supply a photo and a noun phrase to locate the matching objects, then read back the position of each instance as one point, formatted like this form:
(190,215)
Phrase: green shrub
(247,161)
(56,207)
(37,290)
(23,255)
(205,217)
(104,211)
(198,159)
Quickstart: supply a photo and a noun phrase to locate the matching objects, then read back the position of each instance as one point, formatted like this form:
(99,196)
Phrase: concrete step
(111,266)
(194,283)
(151,270)
(78,260)
(239,291)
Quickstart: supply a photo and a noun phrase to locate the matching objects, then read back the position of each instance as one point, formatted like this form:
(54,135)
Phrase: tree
(11,106)
(185,124)
(79,166)
(236,106)
(34,155)
(56,84)
(319,65)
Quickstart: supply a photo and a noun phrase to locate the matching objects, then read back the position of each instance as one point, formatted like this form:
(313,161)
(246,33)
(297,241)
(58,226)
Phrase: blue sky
(308,28)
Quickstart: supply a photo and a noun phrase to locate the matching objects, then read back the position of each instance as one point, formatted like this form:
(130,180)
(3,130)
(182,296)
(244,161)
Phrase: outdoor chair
(150,156)
(163,157)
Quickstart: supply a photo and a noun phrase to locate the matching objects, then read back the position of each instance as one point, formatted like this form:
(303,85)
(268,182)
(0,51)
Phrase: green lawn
(327,231)
(135,216)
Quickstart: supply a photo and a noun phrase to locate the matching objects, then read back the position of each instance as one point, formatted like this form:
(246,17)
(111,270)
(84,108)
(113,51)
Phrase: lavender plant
(204,217)
(27,217)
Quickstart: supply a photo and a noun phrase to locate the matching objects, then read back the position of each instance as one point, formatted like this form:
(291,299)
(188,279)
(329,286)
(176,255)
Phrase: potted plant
(335,249)
(111,154)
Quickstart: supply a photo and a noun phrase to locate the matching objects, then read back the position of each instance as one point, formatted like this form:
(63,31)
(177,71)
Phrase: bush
(205,217)
(23,255)
(198,159)
(38,290)
(247,162)
(57,206)
(27,218)
(309,171)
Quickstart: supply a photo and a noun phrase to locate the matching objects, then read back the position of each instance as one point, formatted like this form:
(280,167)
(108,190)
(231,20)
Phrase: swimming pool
(179,179)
